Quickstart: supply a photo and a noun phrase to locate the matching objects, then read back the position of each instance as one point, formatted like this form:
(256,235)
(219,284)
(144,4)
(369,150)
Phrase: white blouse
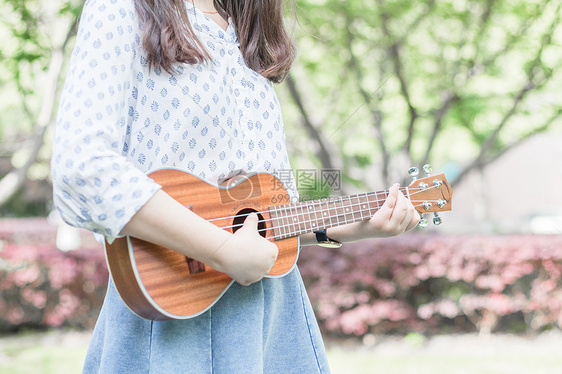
(118,119)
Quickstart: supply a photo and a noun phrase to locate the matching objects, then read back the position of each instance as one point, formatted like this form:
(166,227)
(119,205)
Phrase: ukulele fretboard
(308,216)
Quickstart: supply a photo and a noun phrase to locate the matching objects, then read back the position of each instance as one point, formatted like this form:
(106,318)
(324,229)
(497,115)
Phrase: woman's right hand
(246,256)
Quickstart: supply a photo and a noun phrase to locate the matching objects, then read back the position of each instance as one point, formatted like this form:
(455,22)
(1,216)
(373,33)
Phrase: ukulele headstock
(431,194)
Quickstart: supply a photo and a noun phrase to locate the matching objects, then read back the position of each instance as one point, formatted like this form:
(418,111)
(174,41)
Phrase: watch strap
(323,240)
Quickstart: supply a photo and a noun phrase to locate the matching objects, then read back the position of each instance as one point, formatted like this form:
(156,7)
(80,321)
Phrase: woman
(188,84)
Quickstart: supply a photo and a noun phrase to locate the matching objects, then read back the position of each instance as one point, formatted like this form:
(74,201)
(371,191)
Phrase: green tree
(382,85)
(36,38)
(379,85)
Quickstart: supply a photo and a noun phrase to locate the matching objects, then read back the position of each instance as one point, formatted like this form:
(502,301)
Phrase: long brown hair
(168,38)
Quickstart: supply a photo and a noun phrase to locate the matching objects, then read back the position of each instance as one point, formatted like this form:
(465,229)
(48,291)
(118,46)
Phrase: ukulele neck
(308,216)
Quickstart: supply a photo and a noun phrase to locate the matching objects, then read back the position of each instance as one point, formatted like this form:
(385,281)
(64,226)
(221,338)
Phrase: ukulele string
(296,214)
(299,231)
(318,202)
(303,231)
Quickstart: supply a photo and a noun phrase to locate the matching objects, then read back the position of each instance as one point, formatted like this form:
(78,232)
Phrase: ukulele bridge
(195,266)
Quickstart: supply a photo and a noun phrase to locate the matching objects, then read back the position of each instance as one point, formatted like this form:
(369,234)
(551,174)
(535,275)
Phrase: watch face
(330,244)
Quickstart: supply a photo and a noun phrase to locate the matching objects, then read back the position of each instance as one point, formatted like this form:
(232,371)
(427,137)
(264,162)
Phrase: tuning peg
(437,219)
(427,169)
(423,222)
(413,172)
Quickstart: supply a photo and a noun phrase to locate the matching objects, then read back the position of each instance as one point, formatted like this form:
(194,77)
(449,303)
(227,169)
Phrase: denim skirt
(267,327)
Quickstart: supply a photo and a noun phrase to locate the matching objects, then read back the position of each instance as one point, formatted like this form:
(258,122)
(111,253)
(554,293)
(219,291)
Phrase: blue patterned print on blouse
(117,120)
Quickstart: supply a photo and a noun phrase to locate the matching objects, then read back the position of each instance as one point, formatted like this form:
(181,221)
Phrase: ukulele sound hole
(241,217)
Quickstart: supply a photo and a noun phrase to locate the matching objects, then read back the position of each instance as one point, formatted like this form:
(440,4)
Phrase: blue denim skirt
(268,327)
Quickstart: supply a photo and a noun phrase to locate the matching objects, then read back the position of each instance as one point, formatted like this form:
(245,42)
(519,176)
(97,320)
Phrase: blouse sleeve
(95,186)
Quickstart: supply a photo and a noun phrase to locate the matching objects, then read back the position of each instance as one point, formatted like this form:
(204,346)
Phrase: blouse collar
(204,25)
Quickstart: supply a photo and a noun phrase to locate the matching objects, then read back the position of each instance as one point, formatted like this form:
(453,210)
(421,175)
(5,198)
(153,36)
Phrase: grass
(342,361)
(57,352)
(43,353)
(452,354)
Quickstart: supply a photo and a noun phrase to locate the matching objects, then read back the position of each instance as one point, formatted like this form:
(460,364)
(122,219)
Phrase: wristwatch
(324,241)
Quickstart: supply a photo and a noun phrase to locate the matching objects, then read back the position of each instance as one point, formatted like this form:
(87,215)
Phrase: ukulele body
(157,283)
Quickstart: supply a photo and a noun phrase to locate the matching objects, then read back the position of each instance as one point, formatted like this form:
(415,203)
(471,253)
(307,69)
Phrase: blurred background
(470,86)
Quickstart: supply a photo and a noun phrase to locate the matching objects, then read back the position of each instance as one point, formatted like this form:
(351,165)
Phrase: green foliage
(33,32)
(401,82)
(29,208)
(386,84)
(30,30)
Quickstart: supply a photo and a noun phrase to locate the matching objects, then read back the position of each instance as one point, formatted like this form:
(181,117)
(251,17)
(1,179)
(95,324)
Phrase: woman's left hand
(396,216)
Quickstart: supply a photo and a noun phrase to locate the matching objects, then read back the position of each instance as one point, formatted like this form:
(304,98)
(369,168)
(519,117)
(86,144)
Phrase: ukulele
(159,284)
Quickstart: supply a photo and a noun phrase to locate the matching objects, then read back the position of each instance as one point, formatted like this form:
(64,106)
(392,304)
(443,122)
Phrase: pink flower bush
(431,282)
(426,283)
(41,286)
